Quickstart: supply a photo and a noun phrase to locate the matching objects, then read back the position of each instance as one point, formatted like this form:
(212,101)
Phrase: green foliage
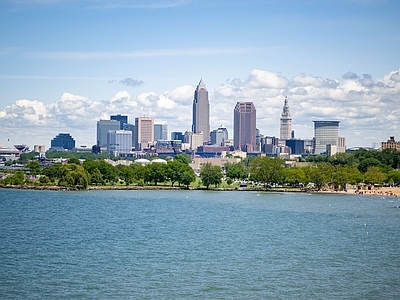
(26,157)
(108,171)
(126,173)
(294,176)
(210,174)
(53,172)
(366,163)
(155,173)
(374,176)
(17,179)
(183,157)
(236,170)
(34,167)
(267,170)
(74,160)
(319,174)
(73,175)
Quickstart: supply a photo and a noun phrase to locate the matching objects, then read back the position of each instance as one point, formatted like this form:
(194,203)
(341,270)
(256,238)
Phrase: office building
(144,133)
(286,122)
(217,137)
(160,132)
(201,112)
(63,141)
(119,142)
(296,146)
(121,119)
(103,127)
(325,133)
(244,123)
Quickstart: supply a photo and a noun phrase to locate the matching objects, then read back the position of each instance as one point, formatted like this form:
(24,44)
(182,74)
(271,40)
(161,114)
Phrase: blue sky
(66,63)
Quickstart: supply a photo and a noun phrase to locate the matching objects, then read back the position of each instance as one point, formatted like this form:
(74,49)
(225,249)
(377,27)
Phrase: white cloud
(368,108)
(265,79)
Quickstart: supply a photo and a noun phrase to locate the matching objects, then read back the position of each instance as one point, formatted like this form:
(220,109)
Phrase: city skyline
(67,64)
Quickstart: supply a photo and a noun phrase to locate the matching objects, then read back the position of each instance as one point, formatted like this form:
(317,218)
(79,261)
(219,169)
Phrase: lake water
(197,244)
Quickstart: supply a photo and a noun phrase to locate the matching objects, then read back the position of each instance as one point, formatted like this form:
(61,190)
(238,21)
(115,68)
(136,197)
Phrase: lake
(198,244)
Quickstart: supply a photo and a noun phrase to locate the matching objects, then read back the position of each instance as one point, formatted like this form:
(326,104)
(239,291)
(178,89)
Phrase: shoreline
(382,191)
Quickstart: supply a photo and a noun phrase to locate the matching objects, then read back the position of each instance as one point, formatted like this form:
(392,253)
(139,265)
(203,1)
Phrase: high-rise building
(144,133)
(244,123)
(64,141)
(223,128)
(103,127)
(160,132)
(286,122)
(201,112)
(119,142)
(121,119)
(325,133)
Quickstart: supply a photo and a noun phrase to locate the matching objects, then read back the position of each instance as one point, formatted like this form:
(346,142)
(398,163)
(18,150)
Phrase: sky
(65,64)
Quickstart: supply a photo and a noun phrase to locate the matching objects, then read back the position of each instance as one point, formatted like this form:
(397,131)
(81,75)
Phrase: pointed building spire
(286,122)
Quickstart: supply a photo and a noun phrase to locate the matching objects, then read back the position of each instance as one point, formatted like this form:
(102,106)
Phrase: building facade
(244,123)
(121,119)
(63,140)
(103,127)
(217,137)
(390,144)
(325,133)
(119,142)
(286,122)
(201,112)
(144,133)
(160,132)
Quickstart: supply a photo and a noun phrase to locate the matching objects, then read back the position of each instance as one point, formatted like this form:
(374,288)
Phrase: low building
(198,162)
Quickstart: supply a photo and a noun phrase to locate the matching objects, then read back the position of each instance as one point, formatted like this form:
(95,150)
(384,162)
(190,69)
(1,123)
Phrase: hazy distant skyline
(65,64)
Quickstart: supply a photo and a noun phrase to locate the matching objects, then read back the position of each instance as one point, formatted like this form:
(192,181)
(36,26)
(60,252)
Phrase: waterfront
(198,244)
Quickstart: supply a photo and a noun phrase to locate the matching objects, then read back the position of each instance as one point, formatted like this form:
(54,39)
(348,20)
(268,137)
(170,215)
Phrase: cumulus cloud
(265,79)
(367,108)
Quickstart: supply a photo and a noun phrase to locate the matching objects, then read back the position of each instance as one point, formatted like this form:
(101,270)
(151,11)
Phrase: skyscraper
(325,133)
(103,127)
(121,119)
(144,132)
(244,123)
(201,111)
(286,122)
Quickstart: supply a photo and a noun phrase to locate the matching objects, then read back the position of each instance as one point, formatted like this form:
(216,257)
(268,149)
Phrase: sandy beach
(381,191)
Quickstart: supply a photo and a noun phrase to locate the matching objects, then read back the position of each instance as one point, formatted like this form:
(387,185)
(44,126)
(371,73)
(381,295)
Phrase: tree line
(362,166)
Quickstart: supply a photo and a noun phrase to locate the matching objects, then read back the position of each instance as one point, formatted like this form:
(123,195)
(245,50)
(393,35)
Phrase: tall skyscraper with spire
(286,122)
(201,111)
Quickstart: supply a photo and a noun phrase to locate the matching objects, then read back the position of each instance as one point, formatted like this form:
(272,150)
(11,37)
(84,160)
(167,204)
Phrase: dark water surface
(197,244)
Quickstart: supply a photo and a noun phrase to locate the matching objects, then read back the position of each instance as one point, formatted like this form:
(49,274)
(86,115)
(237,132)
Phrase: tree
(374,176)
(210,174)
(74,175)
(126,173)
(53,171)
(294,176)
(183,157)
(108,171)
(138,172)
(173,171)
(187,177)
(96,177)
(74,160)
(155,172)
(236,170)
(368,162)
(266,170)
(34,167)
(319,174)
